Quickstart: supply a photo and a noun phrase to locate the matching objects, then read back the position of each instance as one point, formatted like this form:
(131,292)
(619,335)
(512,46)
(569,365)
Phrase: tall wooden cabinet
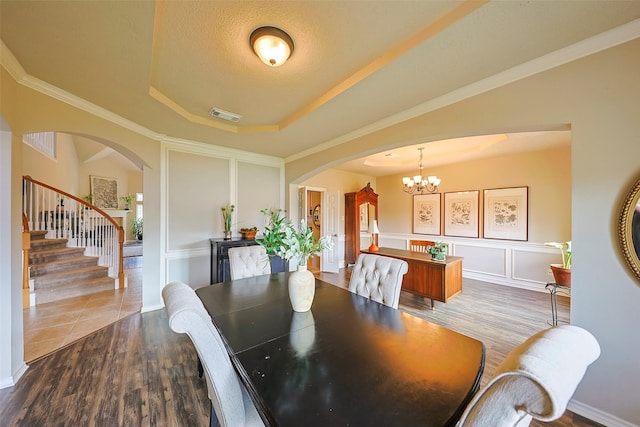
(355,205)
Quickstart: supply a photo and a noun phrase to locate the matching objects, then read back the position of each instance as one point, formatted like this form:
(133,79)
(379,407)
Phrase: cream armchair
(230,401)
(536,380)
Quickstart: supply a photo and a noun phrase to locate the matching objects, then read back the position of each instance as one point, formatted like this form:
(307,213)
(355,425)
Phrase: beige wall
(547,173)
(67,173)
(61,173)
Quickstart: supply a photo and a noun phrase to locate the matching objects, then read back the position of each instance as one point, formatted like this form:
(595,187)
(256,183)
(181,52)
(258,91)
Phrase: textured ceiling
(163,65)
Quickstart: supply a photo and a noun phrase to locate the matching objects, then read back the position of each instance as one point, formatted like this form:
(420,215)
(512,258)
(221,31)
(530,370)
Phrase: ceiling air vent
(225,115)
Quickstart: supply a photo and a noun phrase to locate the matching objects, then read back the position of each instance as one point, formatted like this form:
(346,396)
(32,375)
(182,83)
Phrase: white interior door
(329,261)
(302,205)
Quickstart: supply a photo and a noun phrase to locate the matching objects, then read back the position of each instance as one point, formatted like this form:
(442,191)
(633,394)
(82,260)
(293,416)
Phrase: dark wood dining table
(347,361)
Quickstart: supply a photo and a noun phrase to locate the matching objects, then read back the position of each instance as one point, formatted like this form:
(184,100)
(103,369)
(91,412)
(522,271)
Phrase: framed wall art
(461,214)
(506,213)
(426,214)
(104,191)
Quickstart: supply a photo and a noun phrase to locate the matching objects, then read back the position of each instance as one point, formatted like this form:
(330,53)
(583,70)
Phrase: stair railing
(26,245)
(65,216)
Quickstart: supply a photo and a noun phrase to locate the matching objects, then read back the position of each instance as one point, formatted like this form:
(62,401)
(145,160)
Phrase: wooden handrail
(113,222)
(26,245)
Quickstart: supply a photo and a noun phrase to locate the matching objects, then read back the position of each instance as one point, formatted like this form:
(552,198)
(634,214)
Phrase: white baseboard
(12,380)
(538,287)
(597,415)
(146,309)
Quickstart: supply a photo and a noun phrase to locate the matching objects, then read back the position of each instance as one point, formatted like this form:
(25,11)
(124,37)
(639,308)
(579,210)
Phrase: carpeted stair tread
(50,255)
(38,234)
(84,287)
(46,243)
(63,264)
(70,276)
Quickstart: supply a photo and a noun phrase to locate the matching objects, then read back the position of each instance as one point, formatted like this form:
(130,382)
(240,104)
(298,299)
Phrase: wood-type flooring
(137,372)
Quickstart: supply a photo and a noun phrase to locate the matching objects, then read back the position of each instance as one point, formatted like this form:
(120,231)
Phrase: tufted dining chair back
(378,278)
(230,402)
(248,261)
(536,380)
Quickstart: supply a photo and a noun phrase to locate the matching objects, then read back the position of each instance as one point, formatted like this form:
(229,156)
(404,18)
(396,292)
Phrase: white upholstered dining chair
(230,402)
(378,278)
(536,380)
(248,261)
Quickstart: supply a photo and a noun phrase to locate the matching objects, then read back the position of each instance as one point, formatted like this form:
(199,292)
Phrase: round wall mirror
(629,229)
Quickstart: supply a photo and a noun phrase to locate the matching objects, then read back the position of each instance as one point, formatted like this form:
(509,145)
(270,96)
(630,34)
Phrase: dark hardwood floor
(137,372)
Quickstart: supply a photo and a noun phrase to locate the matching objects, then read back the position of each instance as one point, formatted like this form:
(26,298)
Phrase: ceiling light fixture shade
(272,45)
(418,184)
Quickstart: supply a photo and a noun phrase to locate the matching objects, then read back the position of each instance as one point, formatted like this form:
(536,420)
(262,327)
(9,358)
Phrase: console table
(436,280)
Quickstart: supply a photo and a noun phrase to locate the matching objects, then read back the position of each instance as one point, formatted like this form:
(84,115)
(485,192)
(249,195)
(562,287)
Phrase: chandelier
(418,184)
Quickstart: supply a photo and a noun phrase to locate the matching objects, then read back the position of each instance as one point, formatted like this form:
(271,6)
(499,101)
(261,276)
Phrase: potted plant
(249,233)
(127,200)
(438,251)
(274,231)
(227,214)
(136,228)
(562,272)
(272,238)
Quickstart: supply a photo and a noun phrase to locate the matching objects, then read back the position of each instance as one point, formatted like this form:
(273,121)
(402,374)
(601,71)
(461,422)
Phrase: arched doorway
(80,158)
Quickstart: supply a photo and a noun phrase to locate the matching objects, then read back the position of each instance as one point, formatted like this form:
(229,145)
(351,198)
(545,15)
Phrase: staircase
(60,272)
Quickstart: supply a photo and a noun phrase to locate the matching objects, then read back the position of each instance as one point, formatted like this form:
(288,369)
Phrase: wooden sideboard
(352,219)
(436,280)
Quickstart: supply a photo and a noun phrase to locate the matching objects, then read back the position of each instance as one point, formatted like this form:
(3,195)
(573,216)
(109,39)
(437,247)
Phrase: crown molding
(581,49)
(187,146)
(10,63)
(15,69)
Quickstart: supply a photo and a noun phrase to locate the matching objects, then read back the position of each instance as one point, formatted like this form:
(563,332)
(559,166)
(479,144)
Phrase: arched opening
(80,164)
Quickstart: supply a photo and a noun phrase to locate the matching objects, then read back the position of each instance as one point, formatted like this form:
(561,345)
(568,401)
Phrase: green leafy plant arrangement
(565,250)
(274,231)
(127,199)
(136,228)
(301,244)
(227,214)
(281,238)
(438,251)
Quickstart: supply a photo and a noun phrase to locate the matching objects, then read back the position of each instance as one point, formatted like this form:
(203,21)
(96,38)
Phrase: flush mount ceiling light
(272,45)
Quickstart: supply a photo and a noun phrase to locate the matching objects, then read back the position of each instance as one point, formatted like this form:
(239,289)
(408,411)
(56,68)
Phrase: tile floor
(50,326)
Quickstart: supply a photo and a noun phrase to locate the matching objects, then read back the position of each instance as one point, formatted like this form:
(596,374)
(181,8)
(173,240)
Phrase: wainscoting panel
(533,266)
(190,267)
(482,259)
(511,263)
